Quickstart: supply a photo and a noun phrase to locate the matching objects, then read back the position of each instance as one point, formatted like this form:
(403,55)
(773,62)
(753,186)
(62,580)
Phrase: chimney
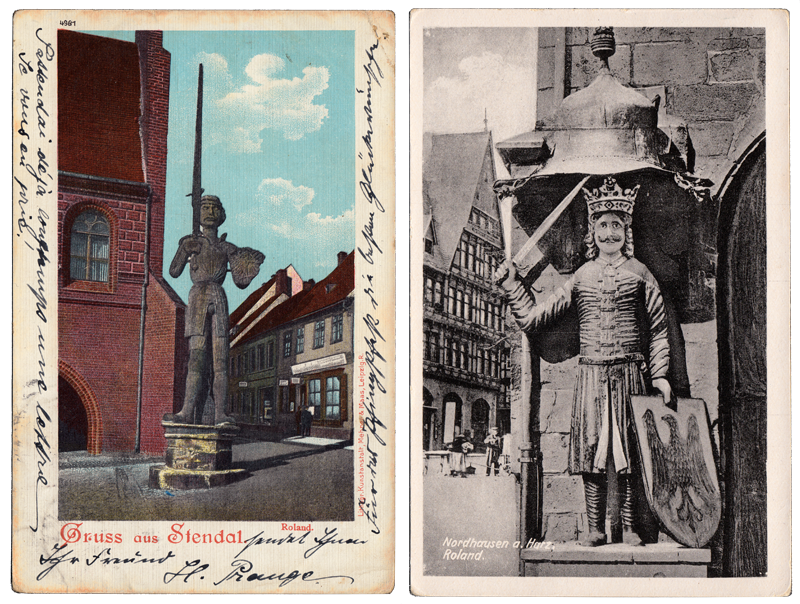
(340,257)
(282,283)
(309,284)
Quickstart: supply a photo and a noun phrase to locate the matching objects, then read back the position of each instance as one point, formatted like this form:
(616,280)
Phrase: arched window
(89,247)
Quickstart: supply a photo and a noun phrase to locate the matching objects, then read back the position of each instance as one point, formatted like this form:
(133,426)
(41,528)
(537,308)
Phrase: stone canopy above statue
(605,128)
(608,129)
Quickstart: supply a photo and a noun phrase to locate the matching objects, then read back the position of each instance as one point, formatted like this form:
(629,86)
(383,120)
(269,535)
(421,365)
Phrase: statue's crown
(610,198)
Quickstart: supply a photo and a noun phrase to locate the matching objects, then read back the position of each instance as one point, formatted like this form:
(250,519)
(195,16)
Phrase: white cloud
(315,227)
(486,82)
(268,102)
(314,218)
(284,229)
(279,191)
(215,70)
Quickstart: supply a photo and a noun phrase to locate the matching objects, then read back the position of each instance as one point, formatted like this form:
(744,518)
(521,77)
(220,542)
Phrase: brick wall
(99,323)
(154,63)
(101,343)
(165,354)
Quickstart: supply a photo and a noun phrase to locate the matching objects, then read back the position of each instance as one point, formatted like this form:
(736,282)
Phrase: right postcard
(600,294)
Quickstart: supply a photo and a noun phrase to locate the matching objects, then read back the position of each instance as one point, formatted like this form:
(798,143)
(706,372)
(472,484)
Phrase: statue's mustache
(610,239)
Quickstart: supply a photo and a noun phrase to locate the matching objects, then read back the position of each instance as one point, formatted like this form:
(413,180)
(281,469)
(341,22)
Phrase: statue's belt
(615,360)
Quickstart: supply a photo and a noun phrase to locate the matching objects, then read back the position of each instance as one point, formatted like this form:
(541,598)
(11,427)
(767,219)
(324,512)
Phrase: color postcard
(203,302)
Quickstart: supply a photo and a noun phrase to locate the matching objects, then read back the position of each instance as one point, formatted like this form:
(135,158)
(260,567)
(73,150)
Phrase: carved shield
(679,472)
(245,264)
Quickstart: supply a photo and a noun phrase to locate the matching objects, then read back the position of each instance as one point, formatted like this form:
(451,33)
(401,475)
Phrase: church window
(89,247)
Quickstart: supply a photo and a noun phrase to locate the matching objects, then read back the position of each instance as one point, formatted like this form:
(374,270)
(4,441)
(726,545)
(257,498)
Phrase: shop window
(314,393)
(327,394)
(332,401)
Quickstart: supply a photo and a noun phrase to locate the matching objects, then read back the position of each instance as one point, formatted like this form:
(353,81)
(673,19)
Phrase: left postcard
(176,428)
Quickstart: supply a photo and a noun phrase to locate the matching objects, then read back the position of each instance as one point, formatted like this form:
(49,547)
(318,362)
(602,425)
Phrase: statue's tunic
(623,337)
(207,297)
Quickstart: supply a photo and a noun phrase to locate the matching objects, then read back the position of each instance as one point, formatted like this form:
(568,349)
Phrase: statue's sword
(530,253)
(197,190)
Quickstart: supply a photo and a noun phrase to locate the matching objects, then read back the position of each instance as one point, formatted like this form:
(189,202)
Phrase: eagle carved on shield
(678,466)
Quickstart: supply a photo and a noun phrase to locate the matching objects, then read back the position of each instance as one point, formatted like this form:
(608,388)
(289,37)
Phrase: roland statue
(623,351)
(207,322)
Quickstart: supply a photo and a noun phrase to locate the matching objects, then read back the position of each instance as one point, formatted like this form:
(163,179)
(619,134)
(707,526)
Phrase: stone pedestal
(198,457)
(616,560)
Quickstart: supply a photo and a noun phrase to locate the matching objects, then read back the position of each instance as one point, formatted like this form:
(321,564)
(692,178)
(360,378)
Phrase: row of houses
(292,348)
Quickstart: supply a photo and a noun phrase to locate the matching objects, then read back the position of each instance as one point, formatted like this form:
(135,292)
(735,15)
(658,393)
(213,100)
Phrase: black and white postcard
(600,290)
(203,295)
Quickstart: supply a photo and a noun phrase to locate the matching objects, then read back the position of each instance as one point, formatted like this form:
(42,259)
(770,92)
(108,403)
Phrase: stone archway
(83,391)
(73,426)
(742,339)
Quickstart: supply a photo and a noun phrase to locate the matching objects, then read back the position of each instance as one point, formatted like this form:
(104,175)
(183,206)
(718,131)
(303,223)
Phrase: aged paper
(174,433)
(517,125)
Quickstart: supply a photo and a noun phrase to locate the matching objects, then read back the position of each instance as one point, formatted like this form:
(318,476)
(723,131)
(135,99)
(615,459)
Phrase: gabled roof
(250,301)
(99,107)
(451,175)
(244,328)
(342,283)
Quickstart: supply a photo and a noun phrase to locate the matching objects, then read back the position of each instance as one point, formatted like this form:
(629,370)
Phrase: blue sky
(278,144)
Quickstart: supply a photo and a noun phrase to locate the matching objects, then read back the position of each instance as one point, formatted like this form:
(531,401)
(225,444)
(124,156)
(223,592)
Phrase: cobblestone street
(288,482)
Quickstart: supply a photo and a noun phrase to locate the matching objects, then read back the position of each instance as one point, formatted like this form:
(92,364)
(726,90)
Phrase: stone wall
(712,78)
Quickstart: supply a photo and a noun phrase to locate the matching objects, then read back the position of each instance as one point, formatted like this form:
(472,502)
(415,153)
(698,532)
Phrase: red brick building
(121,345)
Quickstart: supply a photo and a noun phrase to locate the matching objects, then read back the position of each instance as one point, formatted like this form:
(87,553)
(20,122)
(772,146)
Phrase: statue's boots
(194,388)
(629,534)
(179,418)
(221,418)
(595,488)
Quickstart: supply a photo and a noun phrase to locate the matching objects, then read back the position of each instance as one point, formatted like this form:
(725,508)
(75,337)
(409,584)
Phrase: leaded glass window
(89,247)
